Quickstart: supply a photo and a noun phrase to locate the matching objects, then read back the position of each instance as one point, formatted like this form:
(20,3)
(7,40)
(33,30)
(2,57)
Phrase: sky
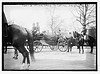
(25,16)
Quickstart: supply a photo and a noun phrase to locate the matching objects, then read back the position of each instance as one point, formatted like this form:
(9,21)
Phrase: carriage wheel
(54,48)
(37,47)
(62,48)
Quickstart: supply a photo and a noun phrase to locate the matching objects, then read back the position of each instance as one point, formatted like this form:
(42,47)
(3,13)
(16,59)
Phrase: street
(54,60)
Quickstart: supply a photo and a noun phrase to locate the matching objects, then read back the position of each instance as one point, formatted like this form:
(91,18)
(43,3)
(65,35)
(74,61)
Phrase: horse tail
(30,43)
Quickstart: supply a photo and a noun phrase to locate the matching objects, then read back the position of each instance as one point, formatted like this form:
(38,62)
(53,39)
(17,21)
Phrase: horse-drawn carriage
(54,42)
(18,35)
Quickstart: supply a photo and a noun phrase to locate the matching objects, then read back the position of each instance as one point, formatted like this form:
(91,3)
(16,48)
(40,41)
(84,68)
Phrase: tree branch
(90,22)
(79,18)
(90,16)
(90,7)
(79,21)
(90,11)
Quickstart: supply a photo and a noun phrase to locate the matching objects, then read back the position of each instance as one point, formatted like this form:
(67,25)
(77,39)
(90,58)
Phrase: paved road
(55,60)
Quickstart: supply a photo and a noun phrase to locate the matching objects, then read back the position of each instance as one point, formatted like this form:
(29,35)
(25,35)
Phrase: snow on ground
(54,60)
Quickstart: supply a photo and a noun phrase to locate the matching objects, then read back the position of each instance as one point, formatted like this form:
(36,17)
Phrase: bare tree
(87,15)
(55,20)
(52,20)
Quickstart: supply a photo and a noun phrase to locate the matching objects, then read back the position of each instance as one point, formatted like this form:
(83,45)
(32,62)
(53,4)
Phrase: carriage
(53,42)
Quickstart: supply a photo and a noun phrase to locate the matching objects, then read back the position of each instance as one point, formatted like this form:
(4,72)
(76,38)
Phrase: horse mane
(76,34)
(4,25)
(4,20)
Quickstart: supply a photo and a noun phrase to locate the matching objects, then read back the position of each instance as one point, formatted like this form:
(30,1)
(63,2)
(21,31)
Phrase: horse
(79,39)
(70,42)
(90,41)
(17,35)
(80,42)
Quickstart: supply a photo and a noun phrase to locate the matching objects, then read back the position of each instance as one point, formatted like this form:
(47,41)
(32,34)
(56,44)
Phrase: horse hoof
(28,65)
(15,58)
(91,52)
(22,66)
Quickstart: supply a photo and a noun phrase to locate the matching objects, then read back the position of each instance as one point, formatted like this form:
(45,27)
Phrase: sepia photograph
(49,36)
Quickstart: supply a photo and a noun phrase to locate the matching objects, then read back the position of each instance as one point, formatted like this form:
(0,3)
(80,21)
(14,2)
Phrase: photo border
(47,3)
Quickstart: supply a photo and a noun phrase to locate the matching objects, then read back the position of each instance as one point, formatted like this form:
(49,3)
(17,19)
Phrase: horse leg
(82,50)
(23,62)
(15,53)
(22,50)
(68,49)
(79,49)
(91,49)
(5,49)
(26,56)
(71,49)
(28,61)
